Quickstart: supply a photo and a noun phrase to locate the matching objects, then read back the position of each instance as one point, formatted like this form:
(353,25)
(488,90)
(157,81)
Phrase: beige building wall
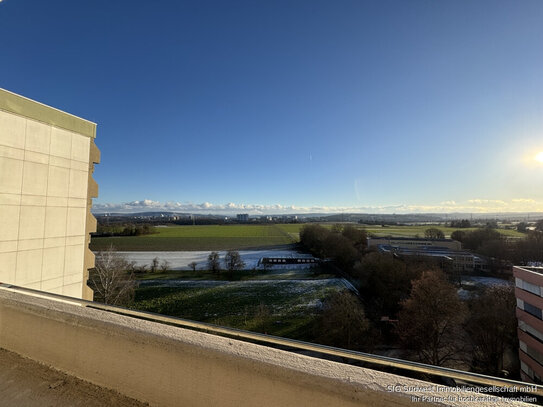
(46,163)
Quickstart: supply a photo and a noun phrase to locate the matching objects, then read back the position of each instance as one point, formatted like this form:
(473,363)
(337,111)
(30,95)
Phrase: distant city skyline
(292,107)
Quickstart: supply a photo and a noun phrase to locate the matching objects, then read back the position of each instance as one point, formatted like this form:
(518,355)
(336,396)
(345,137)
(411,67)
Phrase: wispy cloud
(471,205)
(487,202)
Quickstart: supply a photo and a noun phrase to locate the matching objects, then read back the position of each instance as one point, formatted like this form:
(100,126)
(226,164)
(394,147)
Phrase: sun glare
(539,157)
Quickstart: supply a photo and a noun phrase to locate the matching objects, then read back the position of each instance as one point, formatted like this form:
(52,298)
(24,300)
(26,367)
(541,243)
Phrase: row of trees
(343,244)
(464,223)
(491,243)
(124,230)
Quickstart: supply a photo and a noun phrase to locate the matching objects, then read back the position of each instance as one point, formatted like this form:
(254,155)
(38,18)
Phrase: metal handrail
(292,343)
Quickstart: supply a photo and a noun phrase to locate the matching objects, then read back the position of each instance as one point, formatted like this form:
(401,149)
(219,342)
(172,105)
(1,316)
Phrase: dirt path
(25,383)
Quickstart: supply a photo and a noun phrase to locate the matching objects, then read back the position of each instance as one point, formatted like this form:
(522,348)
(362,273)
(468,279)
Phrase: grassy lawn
(224,237)
(283,308)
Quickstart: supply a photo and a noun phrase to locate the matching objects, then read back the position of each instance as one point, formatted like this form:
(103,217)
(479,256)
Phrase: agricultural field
(412,231)
(207,237)
(286,308)
(238,237)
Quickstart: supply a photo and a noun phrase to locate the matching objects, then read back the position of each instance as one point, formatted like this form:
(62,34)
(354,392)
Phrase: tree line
(129,229)
(463,223)
(489,242)
(412,304)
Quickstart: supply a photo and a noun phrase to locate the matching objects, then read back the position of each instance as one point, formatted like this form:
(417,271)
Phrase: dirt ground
(25,383)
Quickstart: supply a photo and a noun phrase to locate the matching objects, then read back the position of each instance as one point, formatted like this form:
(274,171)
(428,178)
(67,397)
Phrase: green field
(411,231)
(224,237)
(208,237)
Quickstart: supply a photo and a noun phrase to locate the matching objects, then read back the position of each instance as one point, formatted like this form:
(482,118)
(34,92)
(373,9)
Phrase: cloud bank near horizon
(472,206)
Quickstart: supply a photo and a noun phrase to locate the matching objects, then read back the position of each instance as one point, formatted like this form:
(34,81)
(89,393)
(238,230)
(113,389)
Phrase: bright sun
(539,157)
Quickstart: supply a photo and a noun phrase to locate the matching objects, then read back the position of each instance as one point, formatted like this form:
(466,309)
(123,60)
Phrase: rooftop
(24,382)
(11,102)
(421,239)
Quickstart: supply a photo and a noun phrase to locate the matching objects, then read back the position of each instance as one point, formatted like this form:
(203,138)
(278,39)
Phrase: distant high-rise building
(242,217)
(46,163)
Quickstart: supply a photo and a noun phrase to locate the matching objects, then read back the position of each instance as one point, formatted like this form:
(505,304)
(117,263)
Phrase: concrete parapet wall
(170,366)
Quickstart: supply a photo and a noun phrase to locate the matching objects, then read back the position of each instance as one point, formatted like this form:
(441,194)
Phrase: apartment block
(529,294)
(47,159)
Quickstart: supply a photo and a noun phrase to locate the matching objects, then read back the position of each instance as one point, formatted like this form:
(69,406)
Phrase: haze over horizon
(207,208)
(281,107)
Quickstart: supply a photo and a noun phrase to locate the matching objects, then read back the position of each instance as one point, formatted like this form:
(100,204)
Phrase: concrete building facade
(47,159)
(529,294)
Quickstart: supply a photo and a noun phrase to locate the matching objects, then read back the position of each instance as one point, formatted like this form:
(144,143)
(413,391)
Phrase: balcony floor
(24,382)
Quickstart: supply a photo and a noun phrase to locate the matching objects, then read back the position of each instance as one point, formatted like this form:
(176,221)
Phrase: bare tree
(193,265)
(343,322)
(165,266)
(213,262)
(141,269)
(112,279)
(154,265)
(430,320)
(233,261)
(492,328)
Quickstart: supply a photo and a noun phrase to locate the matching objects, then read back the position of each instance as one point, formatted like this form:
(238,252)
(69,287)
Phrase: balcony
(166,365)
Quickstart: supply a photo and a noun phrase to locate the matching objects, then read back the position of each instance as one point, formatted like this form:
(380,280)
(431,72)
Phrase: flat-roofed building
(46,163)
(529,293)
(459,260)
(414,243)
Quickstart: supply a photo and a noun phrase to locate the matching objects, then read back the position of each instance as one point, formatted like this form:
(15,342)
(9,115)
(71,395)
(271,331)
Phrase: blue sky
(294,106)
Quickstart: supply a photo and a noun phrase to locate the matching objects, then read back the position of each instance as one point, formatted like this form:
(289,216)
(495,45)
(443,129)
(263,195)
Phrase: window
(530,309)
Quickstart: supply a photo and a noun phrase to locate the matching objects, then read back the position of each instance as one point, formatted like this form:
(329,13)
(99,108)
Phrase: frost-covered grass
(285,308)
(238,275)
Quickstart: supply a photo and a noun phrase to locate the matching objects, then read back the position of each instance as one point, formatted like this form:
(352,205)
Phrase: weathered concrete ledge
(170,366)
